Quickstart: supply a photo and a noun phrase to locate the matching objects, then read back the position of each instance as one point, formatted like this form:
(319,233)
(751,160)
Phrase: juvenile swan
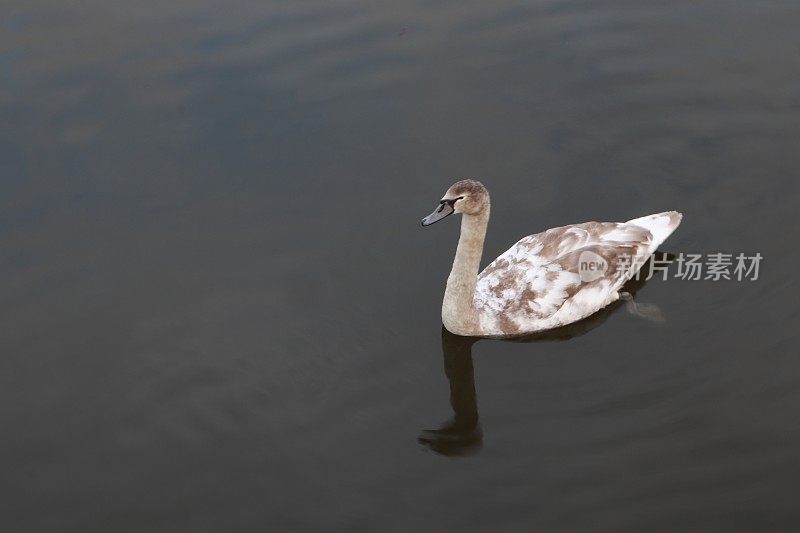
(545,280)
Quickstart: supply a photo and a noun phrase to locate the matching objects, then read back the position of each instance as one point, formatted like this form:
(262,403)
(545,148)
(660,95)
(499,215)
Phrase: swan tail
(660,225)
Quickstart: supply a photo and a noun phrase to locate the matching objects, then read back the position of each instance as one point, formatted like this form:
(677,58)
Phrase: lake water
(220,312)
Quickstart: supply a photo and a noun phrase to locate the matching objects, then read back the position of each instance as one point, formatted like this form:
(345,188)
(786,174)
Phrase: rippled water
(220,312)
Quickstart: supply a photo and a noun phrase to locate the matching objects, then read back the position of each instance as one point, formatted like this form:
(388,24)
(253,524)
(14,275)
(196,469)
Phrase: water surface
(219,311)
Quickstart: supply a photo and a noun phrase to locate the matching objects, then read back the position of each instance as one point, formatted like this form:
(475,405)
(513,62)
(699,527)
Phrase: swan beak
(444,209)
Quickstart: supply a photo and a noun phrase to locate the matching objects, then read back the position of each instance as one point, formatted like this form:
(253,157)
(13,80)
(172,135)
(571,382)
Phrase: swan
(543,281)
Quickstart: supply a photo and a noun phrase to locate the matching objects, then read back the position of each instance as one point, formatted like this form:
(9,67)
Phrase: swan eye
(452,202)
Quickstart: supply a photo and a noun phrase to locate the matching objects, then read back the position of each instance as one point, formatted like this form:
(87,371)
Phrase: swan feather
(536,284)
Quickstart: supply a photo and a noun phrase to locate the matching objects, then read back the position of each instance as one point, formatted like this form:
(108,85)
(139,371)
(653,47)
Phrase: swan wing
(539,282)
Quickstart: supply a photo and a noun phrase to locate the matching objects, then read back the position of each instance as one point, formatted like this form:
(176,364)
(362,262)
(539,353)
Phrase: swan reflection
(461,435)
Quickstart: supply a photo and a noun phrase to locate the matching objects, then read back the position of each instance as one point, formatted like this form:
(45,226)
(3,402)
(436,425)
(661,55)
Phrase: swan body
(545,280)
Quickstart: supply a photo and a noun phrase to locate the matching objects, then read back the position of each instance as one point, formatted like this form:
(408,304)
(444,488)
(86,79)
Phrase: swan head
(468,197)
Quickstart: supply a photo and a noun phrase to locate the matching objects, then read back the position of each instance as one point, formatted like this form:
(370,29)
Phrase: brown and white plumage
(538,283)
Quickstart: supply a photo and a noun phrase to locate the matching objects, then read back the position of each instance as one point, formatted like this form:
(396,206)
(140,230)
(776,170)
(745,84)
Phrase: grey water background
(219,311)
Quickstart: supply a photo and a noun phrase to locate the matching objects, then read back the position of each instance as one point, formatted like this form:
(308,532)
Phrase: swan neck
(458,311)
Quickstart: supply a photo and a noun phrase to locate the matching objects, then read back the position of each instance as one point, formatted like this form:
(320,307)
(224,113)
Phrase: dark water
(219,312)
